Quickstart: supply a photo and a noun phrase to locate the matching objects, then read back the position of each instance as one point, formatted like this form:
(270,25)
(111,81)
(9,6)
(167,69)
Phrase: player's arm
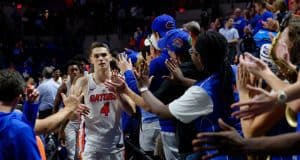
(58,99)
(72,106)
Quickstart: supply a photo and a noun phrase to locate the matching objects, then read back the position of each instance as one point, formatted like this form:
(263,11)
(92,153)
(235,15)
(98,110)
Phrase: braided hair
(213,49)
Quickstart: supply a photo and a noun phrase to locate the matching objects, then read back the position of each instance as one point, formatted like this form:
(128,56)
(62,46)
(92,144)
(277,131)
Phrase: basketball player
(101,135)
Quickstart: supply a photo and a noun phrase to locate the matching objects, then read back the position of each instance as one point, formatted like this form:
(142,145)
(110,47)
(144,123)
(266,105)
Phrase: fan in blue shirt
(17,139)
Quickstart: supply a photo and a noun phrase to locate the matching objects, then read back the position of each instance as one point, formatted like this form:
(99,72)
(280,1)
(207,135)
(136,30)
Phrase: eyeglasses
(192,50)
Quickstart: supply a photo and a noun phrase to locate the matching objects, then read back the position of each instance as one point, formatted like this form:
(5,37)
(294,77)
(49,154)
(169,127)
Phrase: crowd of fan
(169,95)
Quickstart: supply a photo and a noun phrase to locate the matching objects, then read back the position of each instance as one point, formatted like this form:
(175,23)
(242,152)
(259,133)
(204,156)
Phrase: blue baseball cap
(132,55)
(176,40)
(163,23)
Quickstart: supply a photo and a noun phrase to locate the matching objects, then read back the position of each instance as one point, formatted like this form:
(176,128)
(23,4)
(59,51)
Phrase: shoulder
(62,87)
(194,93)
(196,90)
(19,128)
(192,104)
(154,61)
(81,80)
(269,13)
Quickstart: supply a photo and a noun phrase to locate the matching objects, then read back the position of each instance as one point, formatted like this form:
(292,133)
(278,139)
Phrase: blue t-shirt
(17,139)
(258,19)
(240,23)
(263,37)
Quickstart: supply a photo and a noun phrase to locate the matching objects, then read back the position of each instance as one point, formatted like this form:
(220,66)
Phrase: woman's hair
(280,5)
(294,37)
(213,49)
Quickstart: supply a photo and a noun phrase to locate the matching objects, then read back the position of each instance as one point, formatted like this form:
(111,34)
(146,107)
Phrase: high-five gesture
(262,102)
(142,75)
(124,63)
(117,82)
(254,65)
(73,103)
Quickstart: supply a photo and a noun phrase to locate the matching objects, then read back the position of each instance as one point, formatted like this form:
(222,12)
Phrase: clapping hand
(176,74)
(254,65)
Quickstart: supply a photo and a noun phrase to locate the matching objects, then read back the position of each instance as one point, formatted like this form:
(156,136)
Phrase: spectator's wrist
(281,97)
(143,89)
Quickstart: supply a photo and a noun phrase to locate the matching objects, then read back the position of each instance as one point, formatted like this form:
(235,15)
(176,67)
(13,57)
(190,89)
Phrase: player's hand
(117,83)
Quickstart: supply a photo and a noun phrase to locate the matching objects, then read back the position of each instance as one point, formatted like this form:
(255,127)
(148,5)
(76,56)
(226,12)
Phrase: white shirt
(230,33)
(195,102)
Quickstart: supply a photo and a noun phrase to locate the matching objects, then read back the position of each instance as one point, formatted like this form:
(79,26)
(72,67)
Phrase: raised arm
(266,101)
(124,89)
(52,122)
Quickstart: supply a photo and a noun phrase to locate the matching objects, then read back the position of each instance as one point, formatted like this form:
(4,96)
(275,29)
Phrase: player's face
(100,58)
(73,71)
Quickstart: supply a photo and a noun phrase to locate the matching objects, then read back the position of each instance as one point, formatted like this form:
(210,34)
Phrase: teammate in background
(71,127)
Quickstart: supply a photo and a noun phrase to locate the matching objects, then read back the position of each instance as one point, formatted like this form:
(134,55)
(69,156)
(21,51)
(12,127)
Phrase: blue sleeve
(25,145)
(131,81)
(129,123)
(244,24)
(152,68)
(267,15)
(157,68)
(30,111)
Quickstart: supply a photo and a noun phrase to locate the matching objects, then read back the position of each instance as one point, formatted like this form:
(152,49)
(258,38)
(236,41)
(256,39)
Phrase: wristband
(143,89)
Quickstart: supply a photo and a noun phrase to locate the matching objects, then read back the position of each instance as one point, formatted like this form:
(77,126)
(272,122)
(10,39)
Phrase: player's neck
(101,76)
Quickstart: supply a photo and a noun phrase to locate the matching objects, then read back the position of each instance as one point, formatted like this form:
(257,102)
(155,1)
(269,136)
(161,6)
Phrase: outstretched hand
(124,63)
(142,75)
(262,102)
(117,83)
(253,65)
(72,103)
(228,141)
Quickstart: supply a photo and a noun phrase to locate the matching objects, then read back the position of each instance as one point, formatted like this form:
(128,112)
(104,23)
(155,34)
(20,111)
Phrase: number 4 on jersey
(105,109)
